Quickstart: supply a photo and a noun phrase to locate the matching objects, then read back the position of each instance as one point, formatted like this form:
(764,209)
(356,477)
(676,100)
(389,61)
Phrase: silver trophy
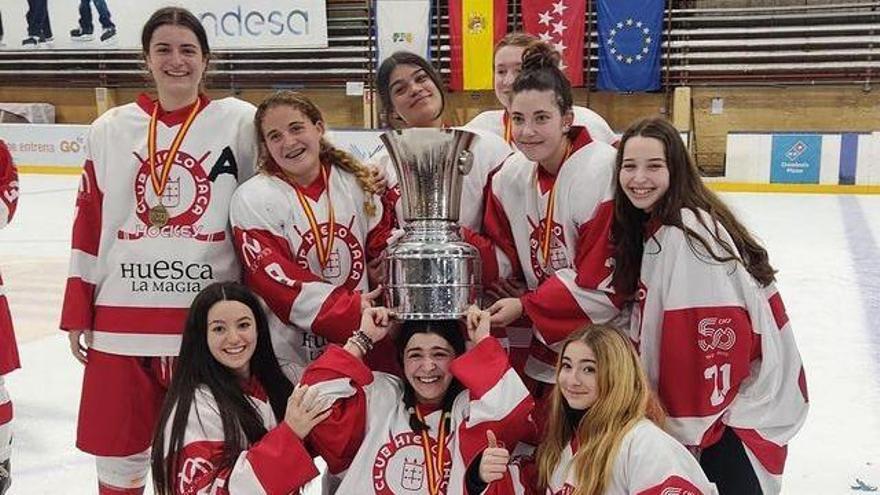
(432,273)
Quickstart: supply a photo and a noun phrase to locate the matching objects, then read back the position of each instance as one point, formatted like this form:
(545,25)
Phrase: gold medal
(158,216)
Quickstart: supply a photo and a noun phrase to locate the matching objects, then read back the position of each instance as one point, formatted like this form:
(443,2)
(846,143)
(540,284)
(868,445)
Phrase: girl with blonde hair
(601,432)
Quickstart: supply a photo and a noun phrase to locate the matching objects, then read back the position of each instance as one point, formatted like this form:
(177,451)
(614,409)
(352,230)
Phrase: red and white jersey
(489,152)
(277,464)
(570,288)
(313,304)
(368,440)
(718,348)
(132,279)
(8,202)
(498,122)
(649,462)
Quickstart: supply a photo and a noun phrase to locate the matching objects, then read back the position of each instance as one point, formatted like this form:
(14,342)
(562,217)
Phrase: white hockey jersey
(8,203)
(649,462)
(570,288)
(131,281)
(498,122)
(277,464)
(368,438)
(489,152)
(275,241)
(718,349)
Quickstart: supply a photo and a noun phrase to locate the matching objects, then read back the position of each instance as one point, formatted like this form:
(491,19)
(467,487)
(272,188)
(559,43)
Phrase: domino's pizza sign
(795,159)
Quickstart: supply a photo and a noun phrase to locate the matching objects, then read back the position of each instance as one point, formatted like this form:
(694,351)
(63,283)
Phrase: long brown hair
(328,153)
(196,369)
(623,399)
(686,190)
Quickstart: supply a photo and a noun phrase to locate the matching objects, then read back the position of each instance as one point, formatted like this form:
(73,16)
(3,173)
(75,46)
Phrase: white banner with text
(117,24)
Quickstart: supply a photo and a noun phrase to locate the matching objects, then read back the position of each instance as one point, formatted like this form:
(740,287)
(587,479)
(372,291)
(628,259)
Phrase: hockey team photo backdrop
(240,25)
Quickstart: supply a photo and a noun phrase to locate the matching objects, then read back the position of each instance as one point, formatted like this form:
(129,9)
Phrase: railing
(804,44)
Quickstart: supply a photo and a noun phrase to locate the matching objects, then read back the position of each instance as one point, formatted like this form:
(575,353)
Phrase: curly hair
(328,153)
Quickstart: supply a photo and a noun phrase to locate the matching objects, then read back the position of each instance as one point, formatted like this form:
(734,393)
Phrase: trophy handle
(465,162)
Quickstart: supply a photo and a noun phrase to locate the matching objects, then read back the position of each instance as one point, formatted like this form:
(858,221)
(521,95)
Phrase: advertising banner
(117,24)
(795,158)
(61,149)
(45,147)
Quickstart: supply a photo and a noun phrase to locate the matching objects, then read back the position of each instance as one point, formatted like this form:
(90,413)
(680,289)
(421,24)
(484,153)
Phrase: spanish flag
(474,28)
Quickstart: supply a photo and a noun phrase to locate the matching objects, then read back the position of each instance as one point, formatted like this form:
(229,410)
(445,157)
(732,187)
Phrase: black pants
(38,19)
(727,465)
(85,15)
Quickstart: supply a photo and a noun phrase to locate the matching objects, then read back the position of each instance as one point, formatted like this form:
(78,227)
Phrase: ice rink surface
(824,246)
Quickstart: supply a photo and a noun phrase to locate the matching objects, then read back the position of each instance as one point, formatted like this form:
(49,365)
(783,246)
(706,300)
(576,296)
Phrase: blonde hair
(623,399)
(327,154)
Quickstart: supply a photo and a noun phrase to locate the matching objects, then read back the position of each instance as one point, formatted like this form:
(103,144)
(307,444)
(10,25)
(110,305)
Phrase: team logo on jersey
(676,485)
(716,334)
(400,465)
(193,474)
(10,193)
(346,263)
(558,258)
(186,198)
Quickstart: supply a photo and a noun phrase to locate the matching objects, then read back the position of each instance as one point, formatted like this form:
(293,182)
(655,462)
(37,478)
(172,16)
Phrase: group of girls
(572,233)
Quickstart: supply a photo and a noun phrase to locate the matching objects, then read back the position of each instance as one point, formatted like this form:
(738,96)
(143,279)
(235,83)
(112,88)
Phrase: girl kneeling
(600,436)
(227,425)
(417,434)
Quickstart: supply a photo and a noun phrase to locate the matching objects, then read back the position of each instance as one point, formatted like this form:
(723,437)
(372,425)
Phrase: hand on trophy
(506,311)
(477,324)
(368,298)
(506,287)
(375,324)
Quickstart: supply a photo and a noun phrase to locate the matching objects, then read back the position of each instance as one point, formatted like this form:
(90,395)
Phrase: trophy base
(433,278)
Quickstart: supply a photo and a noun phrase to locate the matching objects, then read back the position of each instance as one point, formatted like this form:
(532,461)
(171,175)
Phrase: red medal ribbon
(159,183)
(323,250)
(551,207)
(435,467)
(508,129)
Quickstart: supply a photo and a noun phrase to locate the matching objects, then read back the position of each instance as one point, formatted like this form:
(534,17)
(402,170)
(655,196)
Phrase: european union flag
(630,33)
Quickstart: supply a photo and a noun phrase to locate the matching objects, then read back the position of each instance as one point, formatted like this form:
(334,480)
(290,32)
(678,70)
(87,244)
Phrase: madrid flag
(474,28)
(560,23)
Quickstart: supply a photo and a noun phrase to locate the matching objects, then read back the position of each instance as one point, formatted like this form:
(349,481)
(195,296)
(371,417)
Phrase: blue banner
(630,34)
(795,158)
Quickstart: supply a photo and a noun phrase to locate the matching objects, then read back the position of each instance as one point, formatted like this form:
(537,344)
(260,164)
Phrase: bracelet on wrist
(363,339)
(355,342)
